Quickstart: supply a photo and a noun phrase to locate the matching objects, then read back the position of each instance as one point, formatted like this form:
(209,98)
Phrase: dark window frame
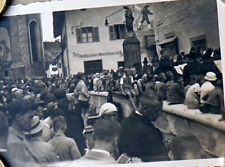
(87,35)
(197,39)
(117,32)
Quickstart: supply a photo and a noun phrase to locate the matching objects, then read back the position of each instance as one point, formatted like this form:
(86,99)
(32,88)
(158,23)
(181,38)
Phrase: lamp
(73,28)
(106,23)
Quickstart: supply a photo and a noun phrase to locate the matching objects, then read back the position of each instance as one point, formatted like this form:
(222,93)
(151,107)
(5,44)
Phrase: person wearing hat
(207,86)
(139,137)
(105,137)
(108,111)
(43,151)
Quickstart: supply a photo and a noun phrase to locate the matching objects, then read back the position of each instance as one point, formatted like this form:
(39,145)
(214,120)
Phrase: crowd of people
(46,121)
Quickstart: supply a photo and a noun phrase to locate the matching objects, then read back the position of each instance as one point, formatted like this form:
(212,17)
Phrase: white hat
(107,108)
(210,76)
(37,126)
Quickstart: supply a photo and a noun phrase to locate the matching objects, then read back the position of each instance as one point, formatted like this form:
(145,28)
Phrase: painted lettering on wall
(77,55)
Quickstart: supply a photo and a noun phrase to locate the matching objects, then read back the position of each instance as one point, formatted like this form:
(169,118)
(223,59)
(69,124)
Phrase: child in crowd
(65,147)
(126,86)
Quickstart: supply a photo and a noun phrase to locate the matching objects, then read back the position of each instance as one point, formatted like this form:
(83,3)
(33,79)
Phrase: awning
(169,40)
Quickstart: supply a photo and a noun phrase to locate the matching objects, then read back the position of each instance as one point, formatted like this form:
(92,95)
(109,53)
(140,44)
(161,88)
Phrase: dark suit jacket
(139,138)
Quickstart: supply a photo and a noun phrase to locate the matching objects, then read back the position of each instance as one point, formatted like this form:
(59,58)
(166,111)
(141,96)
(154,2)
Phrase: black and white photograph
(132,83)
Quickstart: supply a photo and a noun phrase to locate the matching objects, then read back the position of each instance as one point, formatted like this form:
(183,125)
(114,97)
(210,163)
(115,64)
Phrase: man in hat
(108,111)
(139,137)
(207,86)
(43,151)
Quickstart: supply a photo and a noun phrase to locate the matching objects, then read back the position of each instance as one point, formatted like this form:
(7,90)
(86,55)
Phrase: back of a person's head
(106,130)
(59,123)
(186,147)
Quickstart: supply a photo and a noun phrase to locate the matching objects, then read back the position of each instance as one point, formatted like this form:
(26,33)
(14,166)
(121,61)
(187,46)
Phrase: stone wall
(177,120)
(22,66)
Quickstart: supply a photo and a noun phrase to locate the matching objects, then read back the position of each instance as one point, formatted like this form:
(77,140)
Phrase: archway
(34,41)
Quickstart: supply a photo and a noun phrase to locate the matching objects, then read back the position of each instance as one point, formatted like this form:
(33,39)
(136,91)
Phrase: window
(94,66)
(149,40)
(117,32)
(199,43)
(87,34)
(120,64)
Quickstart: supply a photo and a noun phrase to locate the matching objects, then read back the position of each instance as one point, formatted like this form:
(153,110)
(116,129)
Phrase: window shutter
(95,34)
(122,31)
(112,35)
(79,35)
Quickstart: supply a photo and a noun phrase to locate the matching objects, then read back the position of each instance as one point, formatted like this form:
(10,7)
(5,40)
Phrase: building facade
(90,45)
(184,24)
(21,47)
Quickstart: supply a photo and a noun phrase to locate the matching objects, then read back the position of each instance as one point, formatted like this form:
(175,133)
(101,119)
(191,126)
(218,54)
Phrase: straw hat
(36,126)
(210,76)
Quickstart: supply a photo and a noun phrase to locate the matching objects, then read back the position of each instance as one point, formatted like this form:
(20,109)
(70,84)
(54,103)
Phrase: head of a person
(150,104)
(3,130)
(106,133)
(59,124)
(16,92)
(127,71)
(211,77)
(22,112)
(133,71)
(80,75)
(37,126)
(169,76)
(108,111)
(186,147)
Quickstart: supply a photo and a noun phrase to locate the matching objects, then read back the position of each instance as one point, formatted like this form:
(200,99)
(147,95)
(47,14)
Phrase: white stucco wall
(94,18)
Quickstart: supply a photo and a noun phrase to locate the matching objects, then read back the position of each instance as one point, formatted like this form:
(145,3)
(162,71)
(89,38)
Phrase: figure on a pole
(145,12)
(129,19)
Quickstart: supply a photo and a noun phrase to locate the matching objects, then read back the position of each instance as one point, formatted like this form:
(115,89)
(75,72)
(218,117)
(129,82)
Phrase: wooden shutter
(122,31)
(79,35)
(95,34)
(112,35)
